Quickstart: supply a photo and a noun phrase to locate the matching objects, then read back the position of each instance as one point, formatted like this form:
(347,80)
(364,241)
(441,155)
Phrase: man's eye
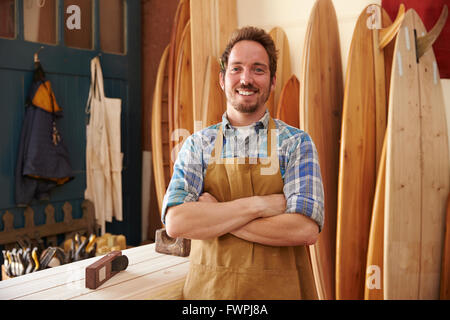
(260,70)
(235,69)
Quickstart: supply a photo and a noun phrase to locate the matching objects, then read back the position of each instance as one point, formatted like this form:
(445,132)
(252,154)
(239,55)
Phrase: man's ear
(274,81)
(221,79)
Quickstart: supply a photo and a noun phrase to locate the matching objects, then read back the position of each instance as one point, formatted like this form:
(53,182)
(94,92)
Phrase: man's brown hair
(252,34)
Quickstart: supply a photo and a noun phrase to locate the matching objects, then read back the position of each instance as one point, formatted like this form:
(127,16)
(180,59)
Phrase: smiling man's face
(247,82)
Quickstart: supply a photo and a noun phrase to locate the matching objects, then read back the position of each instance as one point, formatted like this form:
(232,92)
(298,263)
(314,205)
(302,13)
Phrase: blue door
(68,34)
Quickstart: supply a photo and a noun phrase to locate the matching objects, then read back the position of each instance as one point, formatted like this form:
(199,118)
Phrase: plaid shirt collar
(262,123)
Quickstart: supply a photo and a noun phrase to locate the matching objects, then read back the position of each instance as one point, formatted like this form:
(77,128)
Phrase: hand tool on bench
(167,245)
(105,268)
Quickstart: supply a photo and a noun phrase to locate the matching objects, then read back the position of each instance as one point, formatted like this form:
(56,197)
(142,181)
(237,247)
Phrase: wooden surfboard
(182,16)
(213,102)
(445,270)
(284,71)
(288,104)
(373,289)
(182,104)
(160,130)
(321,95)
(362,133)
(417,168)
(212,22)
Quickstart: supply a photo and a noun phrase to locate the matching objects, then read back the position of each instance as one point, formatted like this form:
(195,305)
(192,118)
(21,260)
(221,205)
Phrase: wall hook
(36,55)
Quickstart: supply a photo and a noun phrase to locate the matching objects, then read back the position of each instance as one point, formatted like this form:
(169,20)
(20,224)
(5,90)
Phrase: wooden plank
(226,22)
(212,22)
(45,279)
(417,171)
(120,286)
(203,45)
(284,70)
(321,95)
(147,277)
(160,146)
(288,104)
(213,103)
(445,271)
(182,16)
(403,179)
(182,104)
(435,178)
(161,279)
(373,289)
(358,157)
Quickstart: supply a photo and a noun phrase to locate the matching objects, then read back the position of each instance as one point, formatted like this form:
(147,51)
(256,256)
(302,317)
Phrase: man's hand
(206,197)
(271,205)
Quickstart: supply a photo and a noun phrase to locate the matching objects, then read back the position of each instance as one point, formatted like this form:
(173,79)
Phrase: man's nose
(246,77)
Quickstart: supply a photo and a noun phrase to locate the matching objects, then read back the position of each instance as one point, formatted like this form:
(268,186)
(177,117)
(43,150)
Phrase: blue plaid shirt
(299,164)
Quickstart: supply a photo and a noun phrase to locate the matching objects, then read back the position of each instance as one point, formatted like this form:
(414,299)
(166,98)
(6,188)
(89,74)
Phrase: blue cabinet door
(68,69)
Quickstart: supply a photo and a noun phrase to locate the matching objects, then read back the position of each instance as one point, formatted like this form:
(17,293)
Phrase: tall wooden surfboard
(373,289)
(160,130)
(445,271)
(417,169)
(212,22)
(182,16)
(289,104)
(321,93)
(213,102)
(284,71)
(182,104)
(362,133)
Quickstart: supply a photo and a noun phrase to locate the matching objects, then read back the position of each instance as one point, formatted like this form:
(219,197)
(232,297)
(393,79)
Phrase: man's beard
(246,108)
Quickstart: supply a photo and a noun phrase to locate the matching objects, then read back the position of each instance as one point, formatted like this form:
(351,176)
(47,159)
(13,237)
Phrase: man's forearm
(206,220)
(289,229)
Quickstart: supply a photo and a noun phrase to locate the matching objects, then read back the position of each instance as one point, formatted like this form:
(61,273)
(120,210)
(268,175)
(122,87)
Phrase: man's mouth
(246,91)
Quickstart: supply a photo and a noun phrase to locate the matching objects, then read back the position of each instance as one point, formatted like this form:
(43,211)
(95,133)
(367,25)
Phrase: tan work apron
(228,267)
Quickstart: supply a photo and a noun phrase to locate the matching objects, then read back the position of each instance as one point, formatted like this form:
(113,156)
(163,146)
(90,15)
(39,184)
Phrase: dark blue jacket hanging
(43,160)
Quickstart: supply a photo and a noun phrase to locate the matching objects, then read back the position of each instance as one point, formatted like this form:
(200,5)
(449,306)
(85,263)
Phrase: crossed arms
(260,219)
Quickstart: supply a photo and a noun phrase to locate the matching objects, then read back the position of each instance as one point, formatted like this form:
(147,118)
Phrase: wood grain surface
(182,104)
(373,289)
(417,171)
(213,102)
(445,270)
(160,130)
(149,275)
(212,23)
(284,70)
(289,103)
(321,96)
(359,154)
(182,16)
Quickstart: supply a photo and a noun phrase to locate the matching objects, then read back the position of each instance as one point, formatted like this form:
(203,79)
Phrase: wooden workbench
(149,275)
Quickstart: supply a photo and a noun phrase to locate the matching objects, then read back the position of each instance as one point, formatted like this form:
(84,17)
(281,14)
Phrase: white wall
(292,16)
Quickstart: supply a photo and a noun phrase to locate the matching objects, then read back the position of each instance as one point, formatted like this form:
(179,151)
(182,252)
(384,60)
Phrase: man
(247,191)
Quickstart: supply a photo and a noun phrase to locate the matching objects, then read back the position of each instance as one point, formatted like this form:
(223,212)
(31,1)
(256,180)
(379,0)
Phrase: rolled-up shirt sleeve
(187,180)
(303,187)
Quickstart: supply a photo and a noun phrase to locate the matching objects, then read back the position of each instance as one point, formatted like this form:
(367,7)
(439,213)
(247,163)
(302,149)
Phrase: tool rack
(50,229)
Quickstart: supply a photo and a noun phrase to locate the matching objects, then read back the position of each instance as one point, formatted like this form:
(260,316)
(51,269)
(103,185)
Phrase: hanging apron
(103,156)
(228,267)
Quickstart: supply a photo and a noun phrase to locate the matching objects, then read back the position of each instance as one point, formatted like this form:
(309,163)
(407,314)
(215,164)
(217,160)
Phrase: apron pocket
(205,283)
(268,285)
